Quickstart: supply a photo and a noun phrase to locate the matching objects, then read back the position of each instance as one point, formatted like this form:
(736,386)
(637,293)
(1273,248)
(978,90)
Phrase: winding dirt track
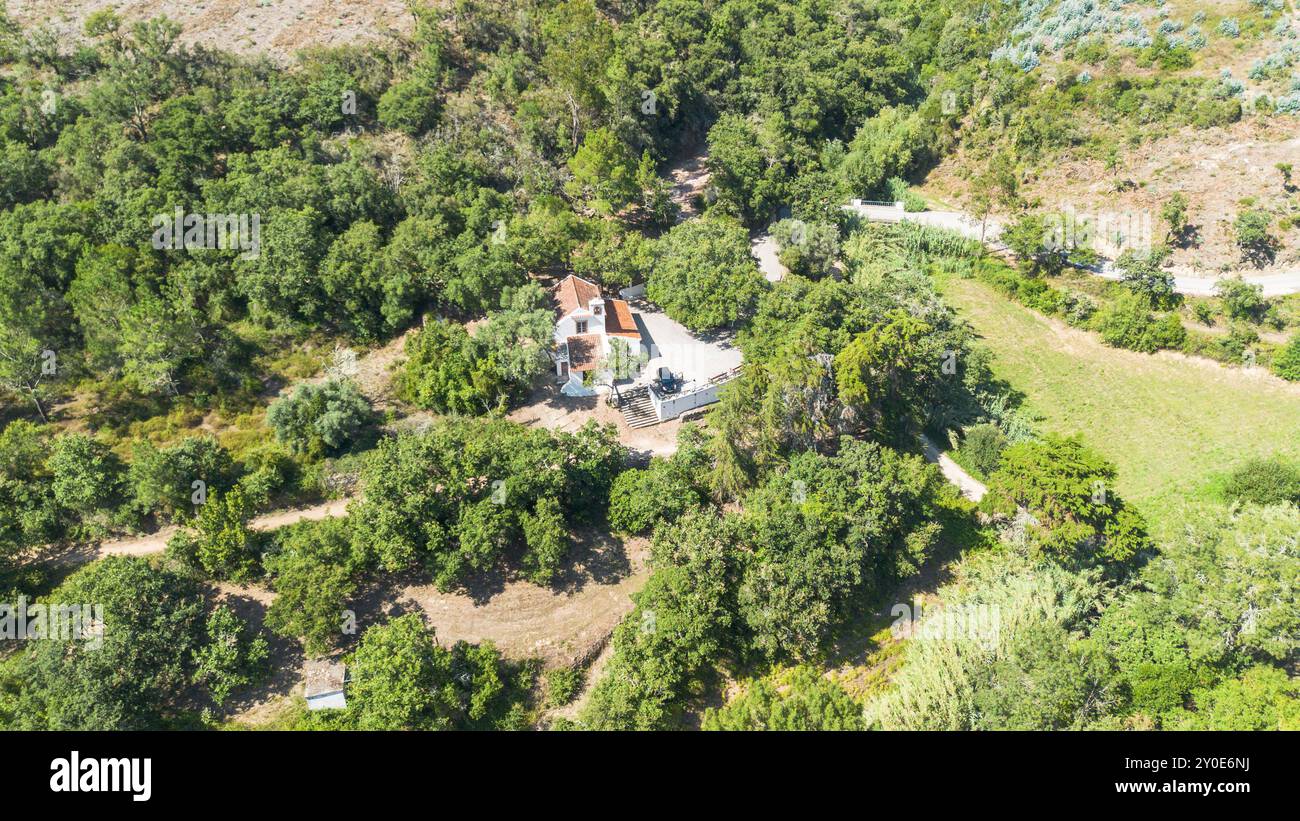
(969,486)
(156,542)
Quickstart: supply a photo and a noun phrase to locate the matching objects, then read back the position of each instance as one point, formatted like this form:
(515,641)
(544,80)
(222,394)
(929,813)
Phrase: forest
(192,243)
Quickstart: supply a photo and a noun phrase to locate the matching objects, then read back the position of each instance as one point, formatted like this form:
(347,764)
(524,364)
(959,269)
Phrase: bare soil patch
(274,28)
(689,179)
(564,624)
(548,408)
(1217,169)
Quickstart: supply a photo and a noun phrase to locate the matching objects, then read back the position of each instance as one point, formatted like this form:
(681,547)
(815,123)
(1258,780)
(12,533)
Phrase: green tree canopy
(704,276)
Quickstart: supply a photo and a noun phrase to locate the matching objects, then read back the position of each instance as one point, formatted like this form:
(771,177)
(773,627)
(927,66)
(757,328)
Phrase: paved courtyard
(693,357)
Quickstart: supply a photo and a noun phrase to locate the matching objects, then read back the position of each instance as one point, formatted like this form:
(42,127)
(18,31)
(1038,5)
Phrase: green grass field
(1172,425)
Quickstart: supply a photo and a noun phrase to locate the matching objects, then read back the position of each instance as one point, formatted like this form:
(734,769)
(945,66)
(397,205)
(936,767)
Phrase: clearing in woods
(1171,424)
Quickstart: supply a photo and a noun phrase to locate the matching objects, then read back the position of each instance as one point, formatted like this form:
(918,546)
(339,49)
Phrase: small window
(582,326)
(596,310)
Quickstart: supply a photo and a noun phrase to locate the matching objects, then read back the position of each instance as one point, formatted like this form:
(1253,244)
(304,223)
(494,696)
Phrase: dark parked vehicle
(667,383)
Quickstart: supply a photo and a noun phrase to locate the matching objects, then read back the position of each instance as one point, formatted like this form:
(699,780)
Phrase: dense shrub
(1034,241)
(827,535)
(169,481)
(1019,618)
(444,372)
(1128,323)
(31,514)
(323,418)
(220,544)
(1142,275)
(1264,482)
(1286,362)
(809,550)
(704,276)
(885,146)
(1069,491)
(563,685)
(450,371)
(272,474)
(1250,231)
(802,700)
(232,658)
(410,106)
(640,499)
(465,495)
(981,448)
(1262,698)
(401,679)
(88,479)
(312,568)
(666,648)
(156,642)
(1166,652)
(1241,300)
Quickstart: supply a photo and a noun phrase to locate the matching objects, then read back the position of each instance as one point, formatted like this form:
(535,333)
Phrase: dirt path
(157,542)
(969,486)
(689,178)
(764,249)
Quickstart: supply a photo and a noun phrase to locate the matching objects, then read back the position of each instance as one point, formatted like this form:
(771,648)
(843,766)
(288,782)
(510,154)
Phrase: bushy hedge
(323,418)
(1129,323)
(1286,362)
(981,449)
(1265,482)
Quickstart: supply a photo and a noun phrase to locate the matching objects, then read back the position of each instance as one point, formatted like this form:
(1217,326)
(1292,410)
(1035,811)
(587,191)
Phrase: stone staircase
(639,411)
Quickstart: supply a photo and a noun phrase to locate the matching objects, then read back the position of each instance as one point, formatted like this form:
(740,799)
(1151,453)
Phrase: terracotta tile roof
(618,321)
(584,352)
(572,293)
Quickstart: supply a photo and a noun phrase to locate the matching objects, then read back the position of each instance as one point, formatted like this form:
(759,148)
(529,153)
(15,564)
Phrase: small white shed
(325,680)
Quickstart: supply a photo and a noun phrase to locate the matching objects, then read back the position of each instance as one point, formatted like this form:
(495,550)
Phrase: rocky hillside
(1130,102)
(276,28)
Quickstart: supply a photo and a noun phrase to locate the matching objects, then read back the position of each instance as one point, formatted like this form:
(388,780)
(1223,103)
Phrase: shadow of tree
(285,660)
(594,557)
